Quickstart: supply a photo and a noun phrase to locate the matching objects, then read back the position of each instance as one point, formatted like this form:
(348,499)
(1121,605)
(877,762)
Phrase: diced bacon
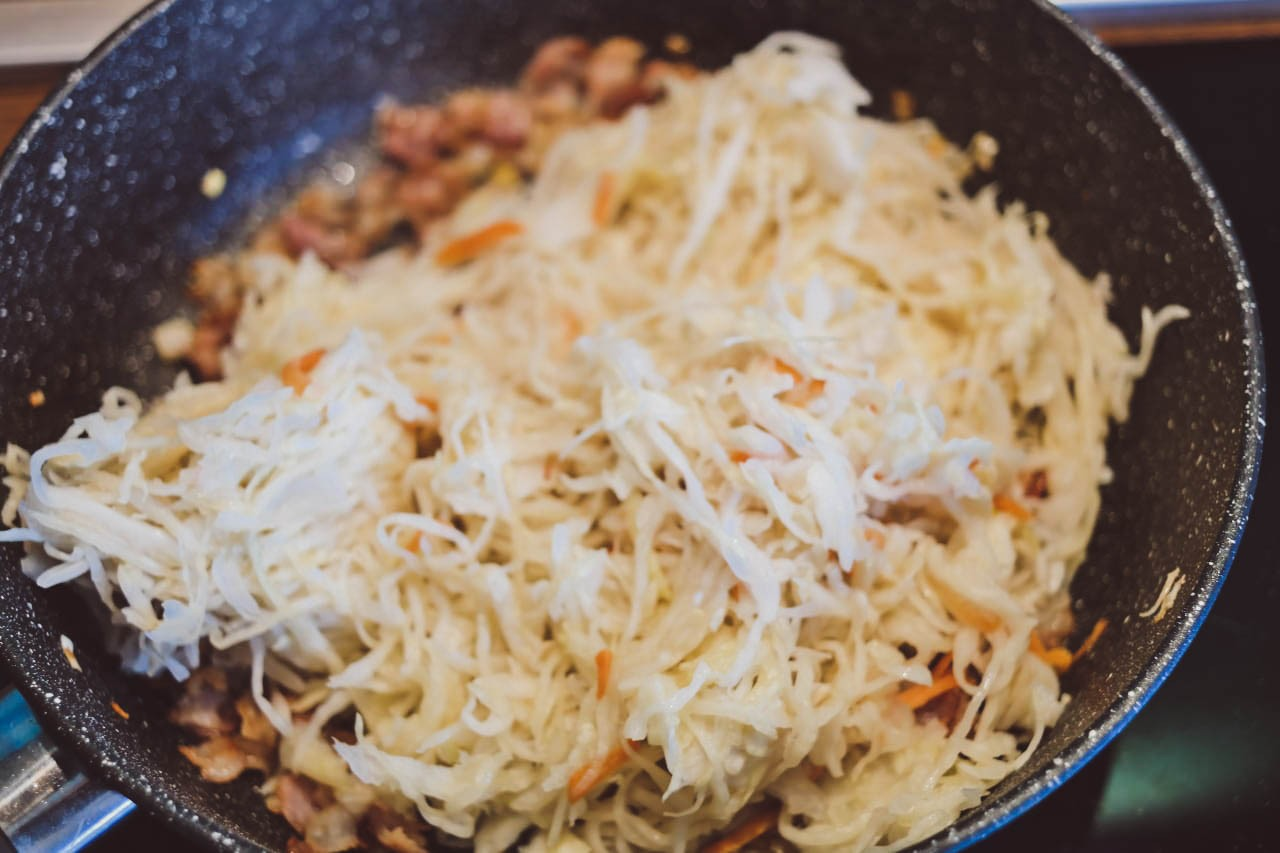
(557,60)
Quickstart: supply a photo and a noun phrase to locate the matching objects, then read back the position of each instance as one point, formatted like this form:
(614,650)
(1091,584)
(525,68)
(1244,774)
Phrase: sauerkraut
(653,503)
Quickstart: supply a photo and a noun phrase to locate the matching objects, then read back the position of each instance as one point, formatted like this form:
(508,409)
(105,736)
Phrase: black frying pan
(101,215)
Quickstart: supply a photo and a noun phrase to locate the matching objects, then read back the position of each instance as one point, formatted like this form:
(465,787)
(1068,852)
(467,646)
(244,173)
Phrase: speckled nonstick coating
(101,214)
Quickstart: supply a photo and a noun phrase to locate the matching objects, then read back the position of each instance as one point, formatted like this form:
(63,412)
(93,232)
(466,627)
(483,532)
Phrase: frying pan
(102,215)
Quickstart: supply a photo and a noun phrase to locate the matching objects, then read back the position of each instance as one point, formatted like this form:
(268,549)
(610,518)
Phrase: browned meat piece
(426,196)
(411,135)
(324,206)
(205,707)
(557,102)
(613,76)
(499,116)
(1036,484)
(332,830)
(657,71)
(375,210)
(211,335)
(558,60)
(1055,629)
(298,799)
(508,119)
(464,113)
(331,245)
(946,708)
(223,758)
(216,285)
(394,831)
(398,840)
(254,725)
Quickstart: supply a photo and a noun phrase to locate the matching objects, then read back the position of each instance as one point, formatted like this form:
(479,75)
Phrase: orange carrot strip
(431,404)
(757,824)
(804,389)
(967,612)
(1058,658)
(572,326)
(586,777)
(471,246)
(874,536)
(1091,640)
(1006,504)
(944,678)
(602,206)
(297,373)
(739,456)
(782,367)
(919,695)
(604,665)
(414,542)
(115,706)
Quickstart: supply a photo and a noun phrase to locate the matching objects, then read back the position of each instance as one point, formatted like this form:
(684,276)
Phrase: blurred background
(1199,769)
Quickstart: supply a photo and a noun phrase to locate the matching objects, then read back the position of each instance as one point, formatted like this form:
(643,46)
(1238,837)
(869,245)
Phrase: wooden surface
(21,91)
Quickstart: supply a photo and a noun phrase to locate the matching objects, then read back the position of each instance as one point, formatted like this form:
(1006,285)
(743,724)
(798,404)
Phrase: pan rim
(976,824)
(979,823)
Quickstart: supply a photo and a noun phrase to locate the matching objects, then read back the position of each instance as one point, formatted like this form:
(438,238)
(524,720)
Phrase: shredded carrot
(586,777)
(115,706)
(603,204)
(431,404)
(1091,640)
(36,398)
(1058,658)
(414,541)
(918,695)
(944,678)
(572,327)
(966,612)
(759,822)
(470,246)
(604,665)
(1006,504)
(875,537)
(739,456)
(782,367)
(70,655)
(806,392)
(297,373)
(804,389)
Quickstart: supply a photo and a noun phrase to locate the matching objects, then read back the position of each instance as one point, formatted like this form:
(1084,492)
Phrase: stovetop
(1199,768)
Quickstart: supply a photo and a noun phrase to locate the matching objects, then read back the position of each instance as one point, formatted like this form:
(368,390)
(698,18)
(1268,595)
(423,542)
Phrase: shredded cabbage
(746,437)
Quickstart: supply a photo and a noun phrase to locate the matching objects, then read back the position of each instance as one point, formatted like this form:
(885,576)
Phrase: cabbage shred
(748,436)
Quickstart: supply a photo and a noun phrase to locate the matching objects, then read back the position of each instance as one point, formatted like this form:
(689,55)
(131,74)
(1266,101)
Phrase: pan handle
(46,803)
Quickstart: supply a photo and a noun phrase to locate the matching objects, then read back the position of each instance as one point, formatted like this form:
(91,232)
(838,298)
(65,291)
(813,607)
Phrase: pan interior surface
(104,214)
